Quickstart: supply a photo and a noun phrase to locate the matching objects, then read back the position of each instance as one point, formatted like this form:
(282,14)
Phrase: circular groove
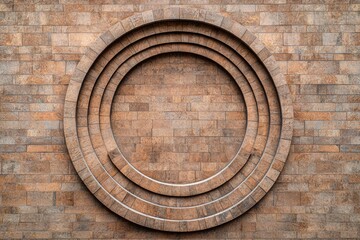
(212,207)
(141,180)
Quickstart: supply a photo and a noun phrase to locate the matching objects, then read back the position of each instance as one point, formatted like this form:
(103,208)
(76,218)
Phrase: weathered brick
(9,67)
(64,198)
(81,39)
(14,39)
(11,198)
(349,67)
(59,39)
(40,198)
(36,39)
(49,67)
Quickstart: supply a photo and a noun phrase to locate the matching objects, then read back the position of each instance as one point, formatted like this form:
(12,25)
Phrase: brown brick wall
(188,118)
(316,45)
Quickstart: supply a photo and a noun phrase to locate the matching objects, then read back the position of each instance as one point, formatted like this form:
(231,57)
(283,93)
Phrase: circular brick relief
(178,118)
(109,126)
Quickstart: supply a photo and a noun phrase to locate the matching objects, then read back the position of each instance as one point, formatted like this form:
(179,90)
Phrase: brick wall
(182,114)
(317,47)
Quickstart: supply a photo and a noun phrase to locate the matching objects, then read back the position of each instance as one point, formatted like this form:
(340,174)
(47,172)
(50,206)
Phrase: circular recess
(103,114)
(178,118)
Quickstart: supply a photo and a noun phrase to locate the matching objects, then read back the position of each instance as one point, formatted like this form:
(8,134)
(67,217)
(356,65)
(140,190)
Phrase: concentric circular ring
(169,206)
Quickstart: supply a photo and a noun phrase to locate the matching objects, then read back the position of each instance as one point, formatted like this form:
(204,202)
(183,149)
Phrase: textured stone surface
(316,195)
(168,140)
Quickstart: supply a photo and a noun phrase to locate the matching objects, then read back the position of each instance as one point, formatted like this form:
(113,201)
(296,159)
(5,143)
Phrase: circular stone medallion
(178,119)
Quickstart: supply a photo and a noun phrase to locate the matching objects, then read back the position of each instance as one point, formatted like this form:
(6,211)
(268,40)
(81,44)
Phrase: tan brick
(162,132)
(64,198)
(59,39)
(40,198)
(139,107)
(14,39)
(36,39)
(49,67)
(349,67)
(312,116)
(44,148)
(81,39)
(12,198)
(9,67)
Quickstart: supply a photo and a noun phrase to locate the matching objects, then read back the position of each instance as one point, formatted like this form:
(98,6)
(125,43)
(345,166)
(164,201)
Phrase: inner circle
(178,118)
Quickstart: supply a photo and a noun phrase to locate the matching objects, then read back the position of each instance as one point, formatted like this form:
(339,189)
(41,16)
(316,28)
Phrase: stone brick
(59,39)
(331,39)
(37,235)
(17,198)
(40,198)
(349,67)
(269,18)
(139,107)
(81,39)
(49,67)
(9,67)
(36,39)
(14,39)
(64,198)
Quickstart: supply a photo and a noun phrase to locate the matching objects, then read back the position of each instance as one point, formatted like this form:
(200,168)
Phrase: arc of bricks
(167,206)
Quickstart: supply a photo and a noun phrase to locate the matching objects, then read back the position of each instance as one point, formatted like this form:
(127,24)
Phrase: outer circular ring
(87,128)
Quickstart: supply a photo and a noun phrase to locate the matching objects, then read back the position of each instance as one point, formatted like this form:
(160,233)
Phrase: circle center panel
(178,118)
